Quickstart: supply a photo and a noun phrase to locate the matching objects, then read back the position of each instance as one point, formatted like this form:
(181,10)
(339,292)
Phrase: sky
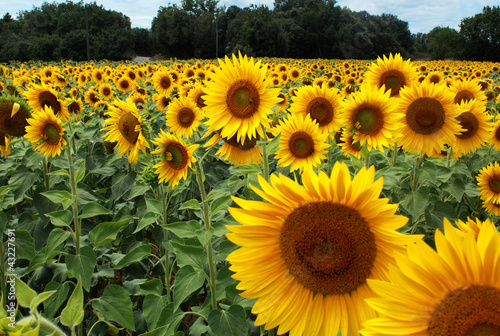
(421,15)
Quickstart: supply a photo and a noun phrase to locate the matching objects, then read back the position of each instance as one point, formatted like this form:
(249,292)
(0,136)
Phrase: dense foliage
(201,29)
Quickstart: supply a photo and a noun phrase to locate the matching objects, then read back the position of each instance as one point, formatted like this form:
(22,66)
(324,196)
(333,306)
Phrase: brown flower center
(497,134)
(14,126)
(368,120)
(51,134)
(74,107)
(434,79)
(124,84)
(469,123)
(185,117)
(494,184)
(126,125)
(179,155)
(328,247)
(106,91)
(243,99)
(301,144)
(165,82)
(320,110)
(425,115)
(474,311)
(47,98)
(463,96)
(248,143)
(393,80)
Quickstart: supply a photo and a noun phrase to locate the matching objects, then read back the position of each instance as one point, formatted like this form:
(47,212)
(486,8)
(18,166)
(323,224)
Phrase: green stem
(265,160)
(45,170)
(395,153)
(74,194)
(164,201)
(448,156)
(414,183)
(367,160)
(200,177)
(330,159)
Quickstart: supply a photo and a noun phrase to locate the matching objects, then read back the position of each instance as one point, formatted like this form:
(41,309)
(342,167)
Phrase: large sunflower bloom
(373,117)
(451,291)
(308,251)
(13,115)
(476,128)
(488,182)
(238,99)
(392,72)
(125,127)
(177,161)
(430,118)
(39,96)
(321,103)
(466,90)
(301,145)
(163,82)
(45,131)
(183,117)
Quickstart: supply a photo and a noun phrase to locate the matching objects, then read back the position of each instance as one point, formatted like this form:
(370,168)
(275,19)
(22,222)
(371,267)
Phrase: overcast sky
(422,15)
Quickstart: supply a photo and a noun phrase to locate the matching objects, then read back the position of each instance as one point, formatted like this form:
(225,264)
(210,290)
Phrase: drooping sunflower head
(39,96)
(14,113)
(125,127)
(45,131)
(177,159)
(430,118)
(322,104)
(307,251)
(302,145)
(393,73)
(372,116)
(488,182)
(451,291)
(183,117)
(476,128)
(75,107)
(238,98)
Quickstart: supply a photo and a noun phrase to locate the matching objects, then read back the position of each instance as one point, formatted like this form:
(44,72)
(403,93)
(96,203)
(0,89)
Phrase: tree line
(202,29)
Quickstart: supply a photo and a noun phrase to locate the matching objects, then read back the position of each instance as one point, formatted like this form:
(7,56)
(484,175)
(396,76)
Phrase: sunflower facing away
(183,117)
(308,251)
(451,291)
(430,118)
(39,96)
(321,103)
(488,182)
(373,117)
(392,72)
(177,160)
(238,98)
(302,144)
(45,132)
(125,127)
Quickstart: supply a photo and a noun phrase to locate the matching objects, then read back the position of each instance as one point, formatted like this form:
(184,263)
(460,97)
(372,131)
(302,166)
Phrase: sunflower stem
(164,202)
(200,177)
(265,159)
(330,159)
(74,195)
(395,153)
(414,183)
(448,156)
(45,170)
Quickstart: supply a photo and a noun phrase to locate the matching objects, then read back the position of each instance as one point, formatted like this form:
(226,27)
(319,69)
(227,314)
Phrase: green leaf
(154,206)
(249,168)
(60,172)
(115,305)
(82,265)
(191,204)
(148,219)
(136,255)
(415,202)
(93,209)
(220,226)
(6,188)
(80,172)
(25,246)
(153,286)
(442,210)
(190,255)
(204,235)
(106,232)
(72,314)
(456,189)
(219,204)
(233,295)
(428,172)
(24,294)
(3,222)
(224,279)
(152,307)
(187,281)
(273,145)
(184,229)
(59,197)
(60,218)
(138,190)
(52,304)
(170,318)
(56,238)
(39,299)
(231,322)
(461,168)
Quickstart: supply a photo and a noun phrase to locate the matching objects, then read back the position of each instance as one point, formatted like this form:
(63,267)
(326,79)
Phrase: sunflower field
(245,196)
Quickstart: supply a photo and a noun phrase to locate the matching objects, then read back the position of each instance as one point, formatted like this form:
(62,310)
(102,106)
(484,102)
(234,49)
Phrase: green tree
(443,43)
(481,35)
(172,32)
(142,40)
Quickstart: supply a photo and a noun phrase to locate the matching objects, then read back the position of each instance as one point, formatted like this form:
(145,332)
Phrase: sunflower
(430,118)
(183,117)
(302,144)
(125,127)
(495,136)
(13,115)
(124,84)
(295,74)
(196,94)
(39,96)
(348,145)
(4,144)
(322,104)
(106,91)
(434,77)
(45,132)
(177,161)
(493,208)
(308,251)
(97,76)
(75,107)
(238,99)
(392,72)
(469,226)
(163,82)
(91,96)
(488,182)
(476,128)
(161,101)
(372,115)
(234,152)
(451,291)
(466,90)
